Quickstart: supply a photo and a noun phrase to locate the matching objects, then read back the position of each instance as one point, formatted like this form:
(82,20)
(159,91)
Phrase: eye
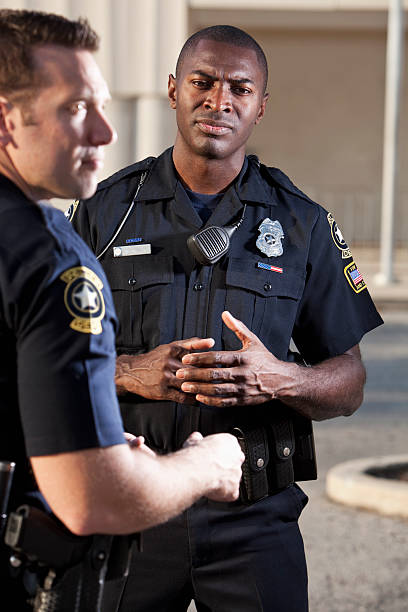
(77,107)
(201,84)
(240,90)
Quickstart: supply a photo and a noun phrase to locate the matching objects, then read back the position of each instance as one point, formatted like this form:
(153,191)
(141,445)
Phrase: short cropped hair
(225,34)
(20,32)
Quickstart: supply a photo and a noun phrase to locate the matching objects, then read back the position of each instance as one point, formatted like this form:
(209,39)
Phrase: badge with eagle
(270,238)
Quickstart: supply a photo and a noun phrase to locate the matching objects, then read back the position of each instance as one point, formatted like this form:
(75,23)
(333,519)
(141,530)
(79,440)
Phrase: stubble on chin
(211,147)
(86,186)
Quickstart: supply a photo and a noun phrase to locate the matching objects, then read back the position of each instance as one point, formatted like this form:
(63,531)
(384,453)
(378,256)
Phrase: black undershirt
(204,203)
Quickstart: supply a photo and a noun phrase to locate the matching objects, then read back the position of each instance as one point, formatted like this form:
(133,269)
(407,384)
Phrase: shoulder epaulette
(285,183)
(135,168)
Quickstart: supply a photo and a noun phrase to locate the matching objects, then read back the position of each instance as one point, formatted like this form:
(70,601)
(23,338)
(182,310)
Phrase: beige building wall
(324,125)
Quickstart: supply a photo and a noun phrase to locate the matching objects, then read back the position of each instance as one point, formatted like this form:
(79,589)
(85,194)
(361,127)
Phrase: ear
(261,111)
(172,91)
(6,125)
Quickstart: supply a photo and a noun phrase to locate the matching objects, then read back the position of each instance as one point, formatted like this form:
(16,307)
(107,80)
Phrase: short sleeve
(64,321)
(336,309)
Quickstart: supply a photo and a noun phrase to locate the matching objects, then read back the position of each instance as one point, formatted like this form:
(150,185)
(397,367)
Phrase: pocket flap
(136,272)
(254,443)
(247,275)
(257,449)
(283,439)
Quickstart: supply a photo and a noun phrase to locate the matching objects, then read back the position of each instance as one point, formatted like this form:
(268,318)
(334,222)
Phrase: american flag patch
(265,266)
(354,277)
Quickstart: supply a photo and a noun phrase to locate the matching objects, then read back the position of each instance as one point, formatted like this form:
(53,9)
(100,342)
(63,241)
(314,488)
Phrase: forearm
(121,490)
(326,390)
(149,491)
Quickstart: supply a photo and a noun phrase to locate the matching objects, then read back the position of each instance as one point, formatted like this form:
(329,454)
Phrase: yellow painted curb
(349,483)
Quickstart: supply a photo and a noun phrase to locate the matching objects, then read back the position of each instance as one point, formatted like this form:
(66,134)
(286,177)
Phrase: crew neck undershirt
(204,203)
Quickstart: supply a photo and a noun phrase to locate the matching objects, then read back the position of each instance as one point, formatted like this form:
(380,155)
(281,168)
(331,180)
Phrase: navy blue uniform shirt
(57,330)
(288,274)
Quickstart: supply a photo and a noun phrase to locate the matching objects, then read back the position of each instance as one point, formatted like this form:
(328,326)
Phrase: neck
(8,169)
(207,175)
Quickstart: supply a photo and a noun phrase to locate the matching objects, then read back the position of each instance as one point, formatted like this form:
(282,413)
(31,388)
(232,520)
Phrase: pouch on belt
(272,459)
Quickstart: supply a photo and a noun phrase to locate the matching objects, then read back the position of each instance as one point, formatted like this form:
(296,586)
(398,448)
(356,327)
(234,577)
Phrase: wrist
(202,468)
(121,371)
(120,389)
(290,381)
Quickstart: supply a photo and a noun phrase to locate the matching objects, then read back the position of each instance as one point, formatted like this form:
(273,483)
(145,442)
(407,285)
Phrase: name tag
(132,249)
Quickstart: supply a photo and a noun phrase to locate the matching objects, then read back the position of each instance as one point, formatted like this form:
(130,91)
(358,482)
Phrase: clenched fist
(223,460)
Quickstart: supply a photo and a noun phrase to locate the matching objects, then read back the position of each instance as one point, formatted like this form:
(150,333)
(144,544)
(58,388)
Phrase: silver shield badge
(271,235)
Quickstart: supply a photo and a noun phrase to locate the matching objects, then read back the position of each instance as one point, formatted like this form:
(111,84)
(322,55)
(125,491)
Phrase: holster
(277,453)
(71,570)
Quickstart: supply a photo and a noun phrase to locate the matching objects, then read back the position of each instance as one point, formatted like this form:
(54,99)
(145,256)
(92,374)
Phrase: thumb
(239,329)
(197,344)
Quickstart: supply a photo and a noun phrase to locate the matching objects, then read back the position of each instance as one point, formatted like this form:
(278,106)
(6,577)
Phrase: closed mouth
(213,128)
(92,162)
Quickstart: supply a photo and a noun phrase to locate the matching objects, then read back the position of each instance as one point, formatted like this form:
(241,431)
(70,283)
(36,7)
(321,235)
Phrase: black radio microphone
(211,243)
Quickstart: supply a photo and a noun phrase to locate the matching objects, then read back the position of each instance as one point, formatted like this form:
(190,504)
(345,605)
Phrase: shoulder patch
(83,299)
(354,277)
(70,212)
(338,237)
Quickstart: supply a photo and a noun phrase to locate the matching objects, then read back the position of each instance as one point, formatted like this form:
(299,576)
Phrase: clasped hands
(179,372)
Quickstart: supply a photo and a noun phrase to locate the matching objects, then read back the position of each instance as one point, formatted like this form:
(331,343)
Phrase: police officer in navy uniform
(61,423)
(287,274)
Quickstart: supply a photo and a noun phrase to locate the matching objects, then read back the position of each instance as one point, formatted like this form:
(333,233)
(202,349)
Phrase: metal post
(395,42)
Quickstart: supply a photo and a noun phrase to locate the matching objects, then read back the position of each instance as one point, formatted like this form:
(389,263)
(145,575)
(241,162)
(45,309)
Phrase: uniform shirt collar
(11,195)
(6,183)
(162,181)
(251,187)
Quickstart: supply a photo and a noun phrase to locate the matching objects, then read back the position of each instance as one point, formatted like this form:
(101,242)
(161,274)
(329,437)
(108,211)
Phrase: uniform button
(198,287)
(132,281)
(286,451)
(267,286)
(260,462)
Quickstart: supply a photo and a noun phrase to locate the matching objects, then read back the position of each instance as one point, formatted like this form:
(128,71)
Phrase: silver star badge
(270,238)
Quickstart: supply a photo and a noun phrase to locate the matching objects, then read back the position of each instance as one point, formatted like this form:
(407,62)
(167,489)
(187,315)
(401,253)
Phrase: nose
(218,98)
(101,131)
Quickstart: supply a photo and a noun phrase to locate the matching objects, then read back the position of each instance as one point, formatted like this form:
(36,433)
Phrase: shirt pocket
(265,300)
(142,289)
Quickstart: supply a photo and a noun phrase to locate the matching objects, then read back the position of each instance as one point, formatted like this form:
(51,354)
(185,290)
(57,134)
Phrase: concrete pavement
(358,559)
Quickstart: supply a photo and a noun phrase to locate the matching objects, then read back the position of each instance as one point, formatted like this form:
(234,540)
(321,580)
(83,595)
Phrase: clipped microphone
(212,243)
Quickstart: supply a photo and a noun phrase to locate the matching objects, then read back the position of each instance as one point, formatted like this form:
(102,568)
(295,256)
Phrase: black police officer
(288,273)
